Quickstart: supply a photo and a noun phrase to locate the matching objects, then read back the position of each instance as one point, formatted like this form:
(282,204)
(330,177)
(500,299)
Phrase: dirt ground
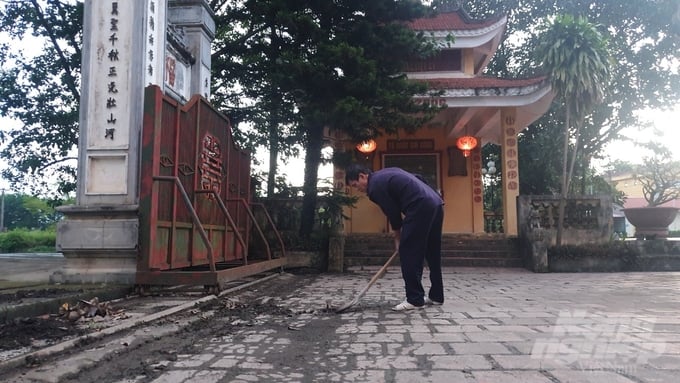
(39,331)
(36,332)
(20,295)
(247,311)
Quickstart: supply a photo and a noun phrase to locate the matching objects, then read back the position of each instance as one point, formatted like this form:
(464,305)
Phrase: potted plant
(660,179)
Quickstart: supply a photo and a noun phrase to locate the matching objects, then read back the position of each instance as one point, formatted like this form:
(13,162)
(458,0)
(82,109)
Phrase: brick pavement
(497,325)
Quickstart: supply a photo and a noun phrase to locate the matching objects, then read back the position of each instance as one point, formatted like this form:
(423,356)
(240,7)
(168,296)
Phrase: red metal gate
(195,197)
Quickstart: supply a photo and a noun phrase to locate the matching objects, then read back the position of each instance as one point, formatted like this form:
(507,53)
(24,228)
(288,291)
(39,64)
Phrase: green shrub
(22,240)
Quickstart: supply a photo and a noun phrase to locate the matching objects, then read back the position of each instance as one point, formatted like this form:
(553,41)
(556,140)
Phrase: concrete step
(463,250)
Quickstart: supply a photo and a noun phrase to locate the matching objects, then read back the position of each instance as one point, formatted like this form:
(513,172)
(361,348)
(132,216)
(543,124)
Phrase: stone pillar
(509,169)
(336,242)
(196,19)
(99,234)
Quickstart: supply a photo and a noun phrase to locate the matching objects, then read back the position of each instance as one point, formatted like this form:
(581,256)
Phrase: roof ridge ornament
(451,6)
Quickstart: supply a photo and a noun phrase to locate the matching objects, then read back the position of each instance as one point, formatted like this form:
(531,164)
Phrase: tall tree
(40,90)
(341,65)
(574,53)
(643,41)
(245,62)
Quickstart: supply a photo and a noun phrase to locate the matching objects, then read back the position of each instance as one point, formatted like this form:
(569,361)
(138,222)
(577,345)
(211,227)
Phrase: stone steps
(461,250)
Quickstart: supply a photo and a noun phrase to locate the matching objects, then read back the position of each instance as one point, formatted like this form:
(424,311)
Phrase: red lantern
(466,144)
(367,146)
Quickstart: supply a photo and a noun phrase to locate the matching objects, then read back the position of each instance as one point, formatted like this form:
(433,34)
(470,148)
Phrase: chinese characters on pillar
(511,154)
(113,58)
(211,165)
(477,192)
(154,40)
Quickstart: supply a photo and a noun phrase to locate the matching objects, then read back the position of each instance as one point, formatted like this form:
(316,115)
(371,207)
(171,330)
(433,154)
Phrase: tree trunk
(312,162)
(273,158)
(563,192)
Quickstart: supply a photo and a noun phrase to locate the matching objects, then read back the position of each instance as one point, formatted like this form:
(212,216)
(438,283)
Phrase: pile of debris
(86,309)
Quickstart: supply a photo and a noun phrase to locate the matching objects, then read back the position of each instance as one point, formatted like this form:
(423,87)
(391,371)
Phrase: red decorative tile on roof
(450,21)
(480,82)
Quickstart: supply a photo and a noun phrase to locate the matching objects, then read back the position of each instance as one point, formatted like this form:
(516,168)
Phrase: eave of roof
(480,82)
(448,21)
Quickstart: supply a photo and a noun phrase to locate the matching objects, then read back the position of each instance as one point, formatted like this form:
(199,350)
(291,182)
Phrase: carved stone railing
(586,220)
(493,222)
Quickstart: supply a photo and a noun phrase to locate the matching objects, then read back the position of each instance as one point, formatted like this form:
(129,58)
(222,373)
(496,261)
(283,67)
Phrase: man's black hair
(352,172)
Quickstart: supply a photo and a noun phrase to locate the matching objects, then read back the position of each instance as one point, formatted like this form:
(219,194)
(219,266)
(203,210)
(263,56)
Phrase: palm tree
(574,54)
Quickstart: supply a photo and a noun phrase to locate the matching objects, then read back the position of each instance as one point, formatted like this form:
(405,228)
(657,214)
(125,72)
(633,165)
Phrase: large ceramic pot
(651,221)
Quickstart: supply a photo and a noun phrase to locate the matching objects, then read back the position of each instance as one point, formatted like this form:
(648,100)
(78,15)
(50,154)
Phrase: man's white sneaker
(404,306)
(430,302)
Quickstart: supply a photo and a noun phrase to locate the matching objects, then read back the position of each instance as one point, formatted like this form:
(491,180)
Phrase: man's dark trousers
(421,239)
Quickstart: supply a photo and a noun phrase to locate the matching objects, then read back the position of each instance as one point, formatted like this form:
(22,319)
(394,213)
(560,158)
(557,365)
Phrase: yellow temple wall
(461,213)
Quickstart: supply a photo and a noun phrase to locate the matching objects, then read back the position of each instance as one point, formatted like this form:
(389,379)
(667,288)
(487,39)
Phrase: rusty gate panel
(195,191)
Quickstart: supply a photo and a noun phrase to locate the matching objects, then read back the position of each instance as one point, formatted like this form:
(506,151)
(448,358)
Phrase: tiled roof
(450,21)
(480,82)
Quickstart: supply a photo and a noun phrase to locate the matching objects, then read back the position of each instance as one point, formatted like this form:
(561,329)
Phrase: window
(447,60)
(427,165)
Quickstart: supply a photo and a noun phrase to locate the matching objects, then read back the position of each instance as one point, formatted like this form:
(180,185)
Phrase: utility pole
(2,212)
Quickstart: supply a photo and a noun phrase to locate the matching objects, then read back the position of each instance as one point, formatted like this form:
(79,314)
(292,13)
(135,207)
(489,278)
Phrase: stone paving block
(477,321)
(387,362)
(649,375)
(488,314)
(589,376)
(526,362)
(207,377)
(459,362)
(185,361)
(225,362)
(175,376)
(528,321)
(434,376)
(430,349)
(418,328)
(524,348)
(487,348)
(459,329)
(665,362)
(493,337)
(437,337)
(515,329)
(510,377)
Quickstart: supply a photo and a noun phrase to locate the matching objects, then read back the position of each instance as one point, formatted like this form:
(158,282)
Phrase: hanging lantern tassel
(466,144)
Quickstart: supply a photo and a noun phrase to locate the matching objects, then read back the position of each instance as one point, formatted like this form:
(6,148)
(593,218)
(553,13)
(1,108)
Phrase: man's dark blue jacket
(397,191)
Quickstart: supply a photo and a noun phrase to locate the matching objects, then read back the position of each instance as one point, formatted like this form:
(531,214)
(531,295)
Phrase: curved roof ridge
(452,17)
(481,82)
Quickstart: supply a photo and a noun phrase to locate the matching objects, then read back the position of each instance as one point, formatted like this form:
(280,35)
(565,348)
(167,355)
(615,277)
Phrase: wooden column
(510,169)
(477,190)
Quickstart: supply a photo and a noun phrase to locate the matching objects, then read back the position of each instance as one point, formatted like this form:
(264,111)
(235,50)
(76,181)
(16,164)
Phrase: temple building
(477,109)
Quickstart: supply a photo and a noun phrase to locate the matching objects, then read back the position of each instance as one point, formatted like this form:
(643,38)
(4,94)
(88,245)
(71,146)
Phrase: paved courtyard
(500,325)
(497,325)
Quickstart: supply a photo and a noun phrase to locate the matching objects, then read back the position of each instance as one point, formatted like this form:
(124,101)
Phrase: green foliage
(41,92)
(261,43)
(28,212)
(21,240)
(315,66)
(331,205)
(642,40)
(574,54)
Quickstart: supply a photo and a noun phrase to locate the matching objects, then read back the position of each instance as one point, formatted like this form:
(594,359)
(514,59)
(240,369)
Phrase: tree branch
(70,80)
